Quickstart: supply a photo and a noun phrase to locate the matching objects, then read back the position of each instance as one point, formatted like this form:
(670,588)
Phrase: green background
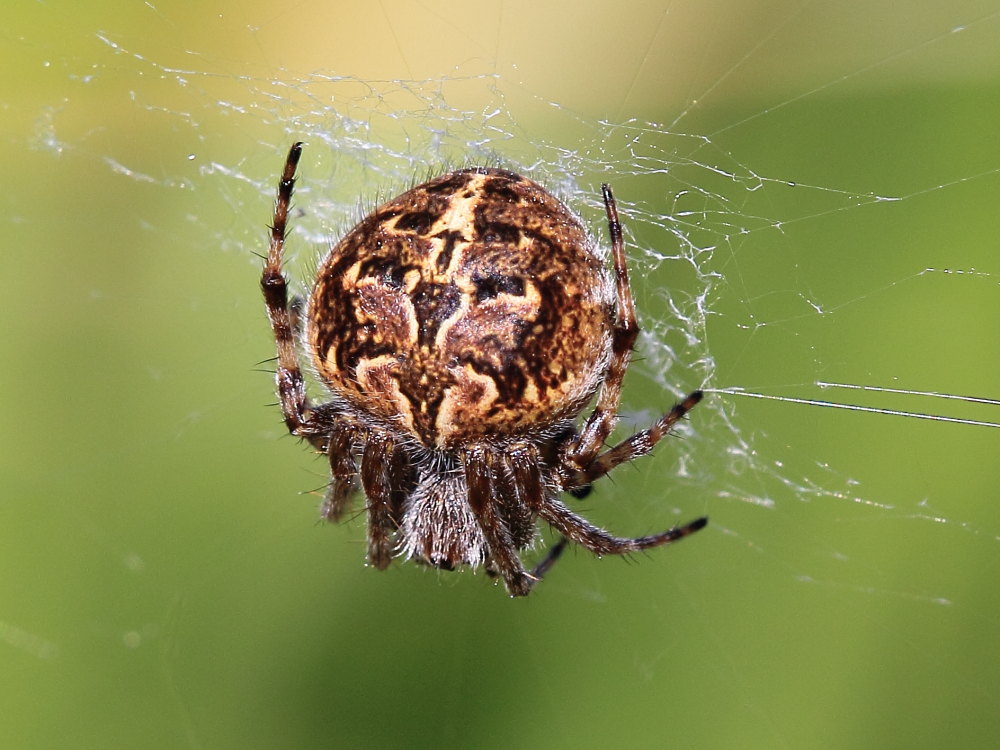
(163,581)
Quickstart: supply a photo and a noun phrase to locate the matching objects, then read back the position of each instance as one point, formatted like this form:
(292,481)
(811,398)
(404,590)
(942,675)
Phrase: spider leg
(377,462)
(520,491)
(527,485)
(343,475)
(600,423)
(283,317)
(600,542)
(637,445)
(480,476)
(551,557)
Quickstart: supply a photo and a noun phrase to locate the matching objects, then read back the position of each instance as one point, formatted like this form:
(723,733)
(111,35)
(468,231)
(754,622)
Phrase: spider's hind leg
(288,376)
(601,422)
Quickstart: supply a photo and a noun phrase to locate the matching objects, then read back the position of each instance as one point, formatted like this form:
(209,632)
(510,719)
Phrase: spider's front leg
(379,469)
(483,476)
(343,474)
(600,542)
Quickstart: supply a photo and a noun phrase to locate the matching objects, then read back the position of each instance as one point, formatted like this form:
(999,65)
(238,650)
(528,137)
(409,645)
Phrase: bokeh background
(163,581)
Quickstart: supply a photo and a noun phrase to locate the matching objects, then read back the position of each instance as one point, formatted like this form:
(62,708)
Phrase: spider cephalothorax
(459,329)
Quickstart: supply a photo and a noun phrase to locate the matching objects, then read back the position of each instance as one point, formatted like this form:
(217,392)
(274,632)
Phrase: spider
(460,328)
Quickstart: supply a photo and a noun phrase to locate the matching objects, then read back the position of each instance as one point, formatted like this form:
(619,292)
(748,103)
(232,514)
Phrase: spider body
(459,329)
(453,314)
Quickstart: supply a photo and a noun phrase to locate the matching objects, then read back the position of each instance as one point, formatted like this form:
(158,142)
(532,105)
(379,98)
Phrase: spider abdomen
(472,305)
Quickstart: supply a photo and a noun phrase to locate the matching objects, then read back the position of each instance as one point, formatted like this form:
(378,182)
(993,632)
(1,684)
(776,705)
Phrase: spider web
(806,251)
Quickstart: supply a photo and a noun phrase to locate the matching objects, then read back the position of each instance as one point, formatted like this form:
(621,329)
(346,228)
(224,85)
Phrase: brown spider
(460,328)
